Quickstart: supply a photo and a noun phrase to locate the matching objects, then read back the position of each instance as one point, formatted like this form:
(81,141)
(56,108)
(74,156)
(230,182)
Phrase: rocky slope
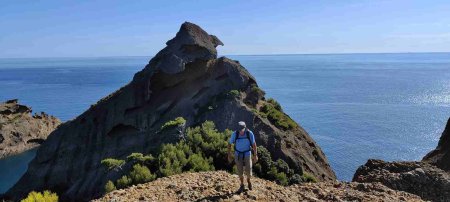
(20,130)
(184,79)
(222,186)
(426,179)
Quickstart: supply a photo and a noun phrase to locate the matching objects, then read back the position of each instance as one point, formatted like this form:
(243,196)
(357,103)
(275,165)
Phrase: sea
(355,106)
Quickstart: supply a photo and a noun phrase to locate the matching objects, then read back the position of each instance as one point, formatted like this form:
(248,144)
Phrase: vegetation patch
(272,110)
(176,122)
(46,196)
(279,170)
(109,186)
(112,164)
(204,149)
(234,93)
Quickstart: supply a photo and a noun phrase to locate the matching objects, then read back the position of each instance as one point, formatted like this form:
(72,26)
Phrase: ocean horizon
(390,106)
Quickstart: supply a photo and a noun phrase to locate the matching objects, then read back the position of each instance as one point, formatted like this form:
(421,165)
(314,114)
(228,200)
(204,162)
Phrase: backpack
(247,136)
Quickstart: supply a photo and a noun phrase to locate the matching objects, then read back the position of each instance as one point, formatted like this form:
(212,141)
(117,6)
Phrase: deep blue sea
(356,106)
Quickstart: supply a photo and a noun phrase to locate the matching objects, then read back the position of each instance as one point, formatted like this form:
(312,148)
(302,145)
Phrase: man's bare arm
(255,149)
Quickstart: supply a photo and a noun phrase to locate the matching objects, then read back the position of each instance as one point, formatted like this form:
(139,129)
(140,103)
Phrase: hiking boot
(250,186)
(241,189)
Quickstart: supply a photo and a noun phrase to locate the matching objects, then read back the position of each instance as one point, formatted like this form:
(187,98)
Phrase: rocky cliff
(428,179)
(222,186)
(185,79)
(440,156)
(20,130)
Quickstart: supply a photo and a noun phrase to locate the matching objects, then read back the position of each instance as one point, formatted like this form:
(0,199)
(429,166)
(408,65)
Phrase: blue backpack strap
(247,134)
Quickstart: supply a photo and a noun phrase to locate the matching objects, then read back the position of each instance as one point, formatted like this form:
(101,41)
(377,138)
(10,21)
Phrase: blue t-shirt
(242,143)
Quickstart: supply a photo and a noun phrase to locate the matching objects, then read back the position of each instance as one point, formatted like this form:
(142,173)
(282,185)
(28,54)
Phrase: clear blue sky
(137,28)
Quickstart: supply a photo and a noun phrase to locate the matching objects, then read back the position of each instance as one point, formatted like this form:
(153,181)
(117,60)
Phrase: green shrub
(233,93)
(46,196)
(308,178)
(258,91)
(109,186)
(277,117)
(264,159)
(124,182)
(176,122)
(206,140)
(173,158)
(282,166)
(140,158)
(197,163)
(111,163)
(295,179)
(141,174)
(281,178)
(275,104)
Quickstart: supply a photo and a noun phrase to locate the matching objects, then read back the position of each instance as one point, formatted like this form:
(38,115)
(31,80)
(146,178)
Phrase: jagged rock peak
(441,155)
(190,43)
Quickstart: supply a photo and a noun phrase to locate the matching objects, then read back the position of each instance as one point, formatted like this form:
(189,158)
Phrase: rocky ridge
(185,79)
(222,186)
(428,179)
(20,130)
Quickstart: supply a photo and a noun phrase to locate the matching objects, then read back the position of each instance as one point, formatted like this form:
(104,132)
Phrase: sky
(140,28)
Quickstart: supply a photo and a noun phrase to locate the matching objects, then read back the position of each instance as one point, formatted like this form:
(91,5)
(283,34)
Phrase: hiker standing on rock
(244,143)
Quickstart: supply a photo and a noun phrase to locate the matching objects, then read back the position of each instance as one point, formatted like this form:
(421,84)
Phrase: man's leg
(248,170)
(240,171)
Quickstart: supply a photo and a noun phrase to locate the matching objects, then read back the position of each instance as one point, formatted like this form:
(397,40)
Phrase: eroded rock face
(441,155)
(429,178)
(222,186)
(20,130)
(184,79)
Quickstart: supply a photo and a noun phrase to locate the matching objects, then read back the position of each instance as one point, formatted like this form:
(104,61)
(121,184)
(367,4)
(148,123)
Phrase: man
(244,143)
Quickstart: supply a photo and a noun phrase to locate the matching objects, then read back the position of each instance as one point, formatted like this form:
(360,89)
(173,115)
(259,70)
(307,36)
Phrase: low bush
(308,178)
(112,163)
(140,158)
(109,186)
(45,196)
(176,122)
(277,117)
(141,174)
(233,93)
(275,104)
(124,182)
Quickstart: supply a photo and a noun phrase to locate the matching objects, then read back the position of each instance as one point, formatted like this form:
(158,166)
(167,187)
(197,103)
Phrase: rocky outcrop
(20,130)
(440,157)
(426,179)
(184,79)
(422,179)
(222,186)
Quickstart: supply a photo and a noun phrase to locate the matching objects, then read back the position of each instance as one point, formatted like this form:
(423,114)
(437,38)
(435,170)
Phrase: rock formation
(20,130)
(222,186)
(426,179)
(440,157)
(185,79)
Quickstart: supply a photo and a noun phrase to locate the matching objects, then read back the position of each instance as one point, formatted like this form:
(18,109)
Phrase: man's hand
(230,158)
(255,158)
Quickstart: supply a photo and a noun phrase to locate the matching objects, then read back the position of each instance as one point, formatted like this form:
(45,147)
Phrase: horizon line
(249,54)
